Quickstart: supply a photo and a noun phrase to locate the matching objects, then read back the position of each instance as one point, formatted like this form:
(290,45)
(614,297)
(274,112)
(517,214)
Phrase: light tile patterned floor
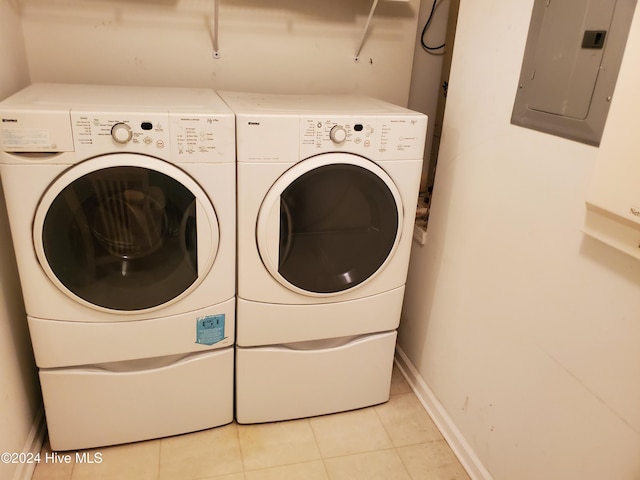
(393,441)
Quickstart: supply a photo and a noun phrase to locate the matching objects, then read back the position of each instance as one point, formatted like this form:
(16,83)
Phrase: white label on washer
(210,329)
(25,137)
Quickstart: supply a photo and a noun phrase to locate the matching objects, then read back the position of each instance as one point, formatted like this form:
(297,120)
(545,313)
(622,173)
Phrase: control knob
(121,133)
(338,134)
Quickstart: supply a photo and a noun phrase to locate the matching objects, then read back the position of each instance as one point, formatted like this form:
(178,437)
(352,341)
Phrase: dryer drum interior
(338,225)
(123,238)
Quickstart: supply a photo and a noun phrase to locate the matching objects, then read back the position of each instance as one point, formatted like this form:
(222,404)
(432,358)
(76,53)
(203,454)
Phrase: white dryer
(327,191)
(121,203)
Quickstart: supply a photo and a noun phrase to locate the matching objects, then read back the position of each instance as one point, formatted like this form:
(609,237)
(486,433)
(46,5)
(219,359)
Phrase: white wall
(526,330)
(270,46)
(19,391)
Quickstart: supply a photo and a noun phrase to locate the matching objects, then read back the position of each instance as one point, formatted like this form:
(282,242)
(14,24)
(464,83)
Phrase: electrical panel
(571,61)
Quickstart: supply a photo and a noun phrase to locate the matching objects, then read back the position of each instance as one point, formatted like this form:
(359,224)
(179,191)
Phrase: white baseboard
(33,445)
(461,448)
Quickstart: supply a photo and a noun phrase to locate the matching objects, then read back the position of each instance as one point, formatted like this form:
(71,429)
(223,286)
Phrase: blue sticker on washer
(210,329)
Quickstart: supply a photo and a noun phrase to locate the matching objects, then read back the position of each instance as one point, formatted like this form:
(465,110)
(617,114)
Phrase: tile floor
(393,441)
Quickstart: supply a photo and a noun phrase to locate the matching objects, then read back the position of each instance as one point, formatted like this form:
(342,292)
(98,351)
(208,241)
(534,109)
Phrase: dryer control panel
(380,137)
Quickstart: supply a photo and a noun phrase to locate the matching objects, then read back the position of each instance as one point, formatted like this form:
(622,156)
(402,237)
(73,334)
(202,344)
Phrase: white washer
(327,191)
(121,203)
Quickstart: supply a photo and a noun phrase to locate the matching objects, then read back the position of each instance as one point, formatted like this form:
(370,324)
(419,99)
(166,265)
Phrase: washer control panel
(182,137)
(203,137)
(102,132)
(380,137)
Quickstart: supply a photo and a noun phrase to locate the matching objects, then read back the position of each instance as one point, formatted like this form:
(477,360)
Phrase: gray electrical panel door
(571,61)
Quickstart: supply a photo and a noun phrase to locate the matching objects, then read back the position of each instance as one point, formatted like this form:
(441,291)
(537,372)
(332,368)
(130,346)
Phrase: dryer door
(329,224)
(125,233)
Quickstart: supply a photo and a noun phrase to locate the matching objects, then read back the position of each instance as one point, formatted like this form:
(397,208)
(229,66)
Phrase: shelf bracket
(213,31)
(356,57)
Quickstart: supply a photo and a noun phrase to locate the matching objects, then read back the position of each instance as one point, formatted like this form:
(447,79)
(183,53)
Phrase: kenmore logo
(254,123)
(13,120)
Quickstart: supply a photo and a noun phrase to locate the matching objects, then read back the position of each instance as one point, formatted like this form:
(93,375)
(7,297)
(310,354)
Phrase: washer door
(329,224)
(125,233)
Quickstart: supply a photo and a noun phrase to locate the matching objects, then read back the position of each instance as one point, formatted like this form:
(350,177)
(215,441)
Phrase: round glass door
(124,236)
(329,224)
